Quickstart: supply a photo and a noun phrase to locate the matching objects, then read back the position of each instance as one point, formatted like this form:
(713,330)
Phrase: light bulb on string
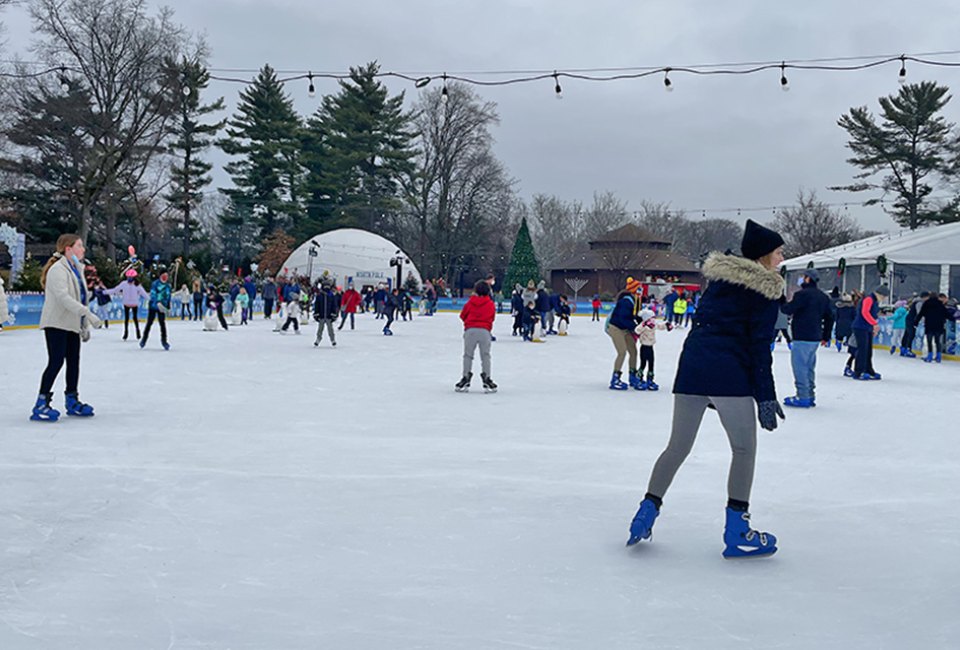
(667,84)
(444,93)
(64,80)
(902,77)
(784,84)
(311,89)
(557,89)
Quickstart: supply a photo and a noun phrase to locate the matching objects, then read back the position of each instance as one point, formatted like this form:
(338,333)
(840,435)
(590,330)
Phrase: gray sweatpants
(738,417)
(328,323)
(471,339)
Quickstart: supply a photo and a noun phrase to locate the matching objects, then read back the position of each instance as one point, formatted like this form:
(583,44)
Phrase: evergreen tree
(914,145)
(358,147)
(523,261)
(264,135)
(189,174)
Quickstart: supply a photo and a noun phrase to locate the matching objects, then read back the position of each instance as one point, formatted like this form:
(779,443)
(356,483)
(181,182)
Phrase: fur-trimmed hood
(745,273)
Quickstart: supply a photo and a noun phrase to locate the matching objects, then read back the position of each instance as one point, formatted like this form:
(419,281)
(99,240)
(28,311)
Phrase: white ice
(247,491)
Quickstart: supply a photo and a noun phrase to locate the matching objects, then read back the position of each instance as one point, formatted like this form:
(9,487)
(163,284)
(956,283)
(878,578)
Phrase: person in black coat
(516,308)
(844,315)
(726,364)
(934,315)
(812,323)
(326,310)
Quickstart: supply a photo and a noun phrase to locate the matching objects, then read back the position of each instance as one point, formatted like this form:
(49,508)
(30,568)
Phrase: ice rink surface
(247,491)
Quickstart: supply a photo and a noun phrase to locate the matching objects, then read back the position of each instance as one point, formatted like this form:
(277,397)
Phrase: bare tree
(461,197)
(660,221)
(810,225)
(115,51)
(696,239)
(556,227)
(607,213)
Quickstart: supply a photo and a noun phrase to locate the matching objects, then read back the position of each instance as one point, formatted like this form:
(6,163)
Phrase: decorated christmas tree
(523,261)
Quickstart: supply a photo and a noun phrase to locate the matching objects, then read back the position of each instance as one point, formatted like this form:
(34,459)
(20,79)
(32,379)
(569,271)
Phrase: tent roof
(349,252)
(933,245)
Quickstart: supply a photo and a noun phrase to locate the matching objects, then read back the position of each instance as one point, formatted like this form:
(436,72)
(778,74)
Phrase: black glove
(767,413)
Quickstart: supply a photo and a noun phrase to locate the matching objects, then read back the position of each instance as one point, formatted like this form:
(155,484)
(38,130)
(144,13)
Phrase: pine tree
(189,174)
(523,261)
(264,135)
(914,145)
(358,147)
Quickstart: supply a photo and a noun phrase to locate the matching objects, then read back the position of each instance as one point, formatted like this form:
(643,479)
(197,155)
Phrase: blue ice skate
(651,385)
(907,352)
(742,541)
(893,349)
(42,411)
(635,382)
(616,383)
(839,345)
(166,346)
(928,358)
(78,408)
(642,525)
(800,402)
(848,372)
(938,358)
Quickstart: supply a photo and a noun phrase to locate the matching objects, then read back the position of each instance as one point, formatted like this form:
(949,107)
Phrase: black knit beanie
(759,241)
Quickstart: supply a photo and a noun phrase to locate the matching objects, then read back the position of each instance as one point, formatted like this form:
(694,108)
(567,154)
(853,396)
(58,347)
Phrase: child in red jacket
(477,316)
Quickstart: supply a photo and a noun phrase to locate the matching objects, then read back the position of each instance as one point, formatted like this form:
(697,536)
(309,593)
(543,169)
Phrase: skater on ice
(812,323)
(66,322)
(726,365)
(647,338)
(865,326)
(326,309)
(620,327)
(477,315)
(160,306)
(130,292)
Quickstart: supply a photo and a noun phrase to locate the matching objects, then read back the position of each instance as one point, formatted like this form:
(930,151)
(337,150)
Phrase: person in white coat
(4,312)
(66,321)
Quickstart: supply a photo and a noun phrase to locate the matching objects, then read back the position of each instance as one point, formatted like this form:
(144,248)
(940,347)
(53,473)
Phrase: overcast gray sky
(712,143)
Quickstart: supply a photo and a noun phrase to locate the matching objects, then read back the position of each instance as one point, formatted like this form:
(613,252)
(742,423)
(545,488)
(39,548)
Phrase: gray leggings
(473,338)
(739,419)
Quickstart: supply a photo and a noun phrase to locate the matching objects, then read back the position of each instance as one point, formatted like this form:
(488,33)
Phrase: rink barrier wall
(26,308)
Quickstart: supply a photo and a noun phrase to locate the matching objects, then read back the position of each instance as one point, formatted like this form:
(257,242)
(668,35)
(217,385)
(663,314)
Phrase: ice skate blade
(461,390)
(489,390)
(752,556)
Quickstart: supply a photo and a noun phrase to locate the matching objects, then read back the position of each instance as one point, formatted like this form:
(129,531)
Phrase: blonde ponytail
(63,242)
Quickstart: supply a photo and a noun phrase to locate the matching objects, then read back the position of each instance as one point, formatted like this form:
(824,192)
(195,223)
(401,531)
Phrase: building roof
(932,245)
(642,259)
(349,253)
(630,233)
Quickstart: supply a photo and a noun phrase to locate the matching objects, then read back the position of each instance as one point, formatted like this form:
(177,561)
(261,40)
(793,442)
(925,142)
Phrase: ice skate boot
(800,402)
(166,346)
(743,541)
(78,408)
(463,385)
(616,383)
(642,525)
(928,358)
(42,411)
(848,372)
(636,382)
(488,385)
(908,353)
(893,350)
(651,385)
(938,358)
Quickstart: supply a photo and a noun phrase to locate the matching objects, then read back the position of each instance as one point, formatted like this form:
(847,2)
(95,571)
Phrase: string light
(444,93)
(311,90)
(422,82)
(784,84)
(667,84)
(557,89)
(64,80)
(902,77)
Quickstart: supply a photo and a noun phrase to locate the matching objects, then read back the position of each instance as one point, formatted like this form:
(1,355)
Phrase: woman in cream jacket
(66,321)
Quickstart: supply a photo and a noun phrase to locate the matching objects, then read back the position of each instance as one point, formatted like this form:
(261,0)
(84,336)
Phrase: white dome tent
(351,255)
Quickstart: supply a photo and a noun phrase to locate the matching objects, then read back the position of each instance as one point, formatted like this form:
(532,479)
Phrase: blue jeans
(803,358)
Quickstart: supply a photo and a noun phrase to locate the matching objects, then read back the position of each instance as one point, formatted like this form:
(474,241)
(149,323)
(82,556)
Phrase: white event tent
(351,255)
(917,260)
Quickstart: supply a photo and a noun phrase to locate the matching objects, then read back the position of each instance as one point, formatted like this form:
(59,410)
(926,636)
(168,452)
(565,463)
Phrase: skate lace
(751,533)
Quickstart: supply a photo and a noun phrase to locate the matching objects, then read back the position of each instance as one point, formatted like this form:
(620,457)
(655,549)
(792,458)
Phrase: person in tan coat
(66,321)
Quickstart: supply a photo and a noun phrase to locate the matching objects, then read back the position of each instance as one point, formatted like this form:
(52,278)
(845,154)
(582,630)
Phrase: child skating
(477,316)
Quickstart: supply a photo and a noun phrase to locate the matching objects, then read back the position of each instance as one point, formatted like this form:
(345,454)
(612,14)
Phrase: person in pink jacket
(131,293)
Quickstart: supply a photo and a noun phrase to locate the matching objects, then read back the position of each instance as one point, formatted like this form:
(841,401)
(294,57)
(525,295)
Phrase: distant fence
(26,308)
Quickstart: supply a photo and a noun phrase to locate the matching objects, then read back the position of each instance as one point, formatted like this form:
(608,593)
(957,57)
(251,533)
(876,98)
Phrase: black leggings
(61,346)
(646,359)
(162,318)
(127,313)
(197,308)
(935,338)
(786,334)
(343,320)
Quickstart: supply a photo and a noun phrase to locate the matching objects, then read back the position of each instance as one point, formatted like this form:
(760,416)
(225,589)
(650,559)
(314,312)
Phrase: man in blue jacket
(812,325)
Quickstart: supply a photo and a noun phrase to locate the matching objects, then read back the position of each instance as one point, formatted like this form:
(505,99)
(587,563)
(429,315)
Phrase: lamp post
(311,254)
(398,260)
